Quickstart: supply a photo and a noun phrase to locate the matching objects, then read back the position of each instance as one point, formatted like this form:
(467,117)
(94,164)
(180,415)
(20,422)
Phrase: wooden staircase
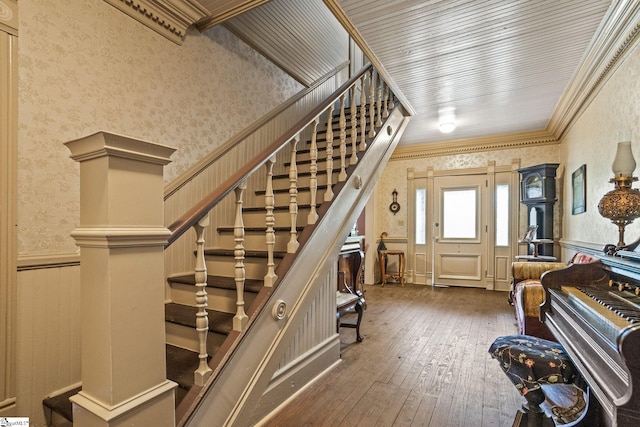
(221,288)
(182,341)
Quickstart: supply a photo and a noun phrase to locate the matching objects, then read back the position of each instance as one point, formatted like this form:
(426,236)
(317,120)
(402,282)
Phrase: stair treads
(185,315)
(221,282)
(230,229)
(277,208)
(61,404)
(286,190)
(247,253)
(336,157)
(181,363)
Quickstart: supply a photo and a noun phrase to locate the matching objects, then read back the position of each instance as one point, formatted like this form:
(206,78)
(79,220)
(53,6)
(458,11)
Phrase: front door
(460,230)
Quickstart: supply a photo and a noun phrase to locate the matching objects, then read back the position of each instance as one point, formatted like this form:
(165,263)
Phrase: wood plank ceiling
(301,37)
(500,67)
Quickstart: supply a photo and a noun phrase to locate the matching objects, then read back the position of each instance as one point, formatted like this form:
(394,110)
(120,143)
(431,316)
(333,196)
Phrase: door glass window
(502,215)
(421,216)
(459,214)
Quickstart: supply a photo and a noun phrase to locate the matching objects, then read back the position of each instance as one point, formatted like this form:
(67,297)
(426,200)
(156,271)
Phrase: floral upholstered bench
(531,363)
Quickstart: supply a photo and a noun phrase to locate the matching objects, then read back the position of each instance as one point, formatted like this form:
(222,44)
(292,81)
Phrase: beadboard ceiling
(501,67)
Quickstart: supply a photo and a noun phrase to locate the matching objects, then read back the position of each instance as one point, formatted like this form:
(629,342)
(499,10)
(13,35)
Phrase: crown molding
(618,32)
(463,146)
(170,18)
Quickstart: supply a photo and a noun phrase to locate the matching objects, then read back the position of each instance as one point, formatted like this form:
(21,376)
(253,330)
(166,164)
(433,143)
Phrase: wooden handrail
(193,215)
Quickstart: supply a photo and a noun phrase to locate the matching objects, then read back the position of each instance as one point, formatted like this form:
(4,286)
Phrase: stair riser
(282,218)
(185,337)
(225,266)
(303,198)
(282,183)
(58,420)
(218,299)
(302,159)
(255,241)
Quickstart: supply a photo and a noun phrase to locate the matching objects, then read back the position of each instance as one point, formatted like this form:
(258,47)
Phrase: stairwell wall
(84,67)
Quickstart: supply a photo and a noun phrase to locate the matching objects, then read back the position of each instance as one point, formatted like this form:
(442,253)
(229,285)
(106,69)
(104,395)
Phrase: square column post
(121,238)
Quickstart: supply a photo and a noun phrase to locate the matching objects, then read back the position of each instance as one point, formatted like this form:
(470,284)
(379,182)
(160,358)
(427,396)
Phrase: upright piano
(593,310)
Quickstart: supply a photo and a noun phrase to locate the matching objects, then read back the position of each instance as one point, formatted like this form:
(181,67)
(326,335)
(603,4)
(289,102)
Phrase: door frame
(497,266)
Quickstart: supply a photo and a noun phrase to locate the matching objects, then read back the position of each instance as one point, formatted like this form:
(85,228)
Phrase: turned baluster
(385,102)
(372,105)
(379,102)
(342,176)
(293,244)
(312,217)
(363,114)
(269,202)
(202,319)
(240,319)
(391,104)
(328,194)
(354,126)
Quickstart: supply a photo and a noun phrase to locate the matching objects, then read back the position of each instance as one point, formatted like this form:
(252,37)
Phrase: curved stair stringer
(232,395)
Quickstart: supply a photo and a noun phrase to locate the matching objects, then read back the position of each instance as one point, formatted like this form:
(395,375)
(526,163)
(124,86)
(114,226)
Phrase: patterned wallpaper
(84,66)
(613,116)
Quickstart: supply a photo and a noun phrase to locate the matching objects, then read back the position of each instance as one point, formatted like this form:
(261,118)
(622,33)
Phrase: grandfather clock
(538,193)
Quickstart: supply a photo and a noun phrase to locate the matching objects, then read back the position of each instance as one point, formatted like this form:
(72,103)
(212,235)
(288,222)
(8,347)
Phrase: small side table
(384,275)
(536,257)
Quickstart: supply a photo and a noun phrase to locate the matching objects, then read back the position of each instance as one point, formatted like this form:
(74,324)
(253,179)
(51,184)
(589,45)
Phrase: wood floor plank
(423,362)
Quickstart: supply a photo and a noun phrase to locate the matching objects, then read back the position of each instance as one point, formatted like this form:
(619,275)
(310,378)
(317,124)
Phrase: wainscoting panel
(314,348)
(48,349)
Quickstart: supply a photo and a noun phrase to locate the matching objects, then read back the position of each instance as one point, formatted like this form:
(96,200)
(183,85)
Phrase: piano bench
(346,303)
(531,363)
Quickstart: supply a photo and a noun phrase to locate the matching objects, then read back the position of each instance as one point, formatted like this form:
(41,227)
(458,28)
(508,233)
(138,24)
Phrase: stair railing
(197,216)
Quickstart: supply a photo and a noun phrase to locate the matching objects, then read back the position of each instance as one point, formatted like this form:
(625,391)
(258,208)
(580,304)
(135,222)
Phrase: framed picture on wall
(579,186)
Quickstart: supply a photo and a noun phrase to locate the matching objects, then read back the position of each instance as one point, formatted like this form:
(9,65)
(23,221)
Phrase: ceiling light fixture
(447,127)
(447,119)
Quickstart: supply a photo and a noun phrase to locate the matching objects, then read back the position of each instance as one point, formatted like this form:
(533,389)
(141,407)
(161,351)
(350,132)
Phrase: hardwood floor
(423,362)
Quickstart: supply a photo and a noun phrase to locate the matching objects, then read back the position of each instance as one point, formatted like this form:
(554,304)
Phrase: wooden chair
(350,294)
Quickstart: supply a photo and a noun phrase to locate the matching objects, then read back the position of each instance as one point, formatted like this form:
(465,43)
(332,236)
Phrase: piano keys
(599,327)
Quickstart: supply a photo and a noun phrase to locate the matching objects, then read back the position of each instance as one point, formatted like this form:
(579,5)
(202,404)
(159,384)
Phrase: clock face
(533,187)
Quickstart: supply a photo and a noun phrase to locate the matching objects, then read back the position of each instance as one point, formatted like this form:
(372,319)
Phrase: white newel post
(121,238)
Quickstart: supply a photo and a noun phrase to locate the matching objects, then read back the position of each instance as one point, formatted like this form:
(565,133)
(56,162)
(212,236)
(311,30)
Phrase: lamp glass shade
(624,163)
